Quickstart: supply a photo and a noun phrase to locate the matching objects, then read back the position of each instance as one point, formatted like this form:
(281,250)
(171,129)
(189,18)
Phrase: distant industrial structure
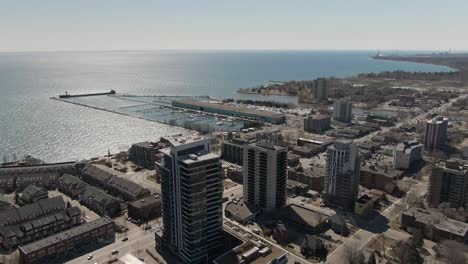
(265,174)
(191,185)
(341,184)
(435,136)
(343,111)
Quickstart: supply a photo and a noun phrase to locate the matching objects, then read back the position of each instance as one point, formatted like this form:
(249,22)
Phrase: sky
(50,25)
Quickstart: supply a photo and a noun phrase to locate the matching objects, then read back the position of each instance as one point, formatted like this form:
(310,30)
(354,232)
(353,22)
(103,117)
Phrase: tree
(371,259)
(453,252)
(352,254)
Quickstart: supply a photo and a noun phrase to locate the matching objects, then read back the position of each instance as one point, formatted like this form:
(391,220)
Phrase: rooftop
(251,253)
(178,140)
(227,107)
(73,232)
(388,172)
(303,215)
(146,201)
(239,209)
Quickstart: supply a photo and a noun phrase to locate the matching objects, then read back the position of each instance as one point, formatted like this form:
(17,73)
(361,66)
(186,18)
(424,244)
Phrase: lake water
(33,124)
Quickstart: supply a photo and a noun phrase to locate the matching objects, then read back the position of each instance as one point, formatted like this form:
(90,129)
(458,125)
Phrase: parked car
(124,239)
(114,252)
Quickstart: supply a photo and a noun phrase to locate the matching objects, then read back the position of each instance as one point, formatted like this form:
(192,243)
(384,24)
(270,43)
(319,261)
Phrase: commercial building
(320,89)
(34,221)
(231,110)
(58,248)
(341,182)
(435,136)
(342,111)
(143,153)
(434,225)
(265,174)
(406,153)
(253,252)
(191,186)
(312,176)
(95,199)
(364,206)
(448,183)
(317,124)
(319,141)
(113,181)
(381,178)
(146,208)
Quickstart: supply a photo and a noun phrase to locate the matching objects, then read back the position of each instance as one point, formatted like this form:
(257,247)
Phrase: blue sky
(257,24)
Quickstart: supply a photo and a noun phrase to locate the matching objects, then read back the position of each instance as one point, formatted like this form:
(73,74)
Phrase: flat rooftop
(178,140)
(48,241)
(251,253)
(227,107)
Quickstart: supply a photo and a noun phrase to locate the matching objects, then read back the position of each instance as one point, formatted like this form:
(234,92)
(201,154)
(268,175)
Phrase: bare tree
(352,254)
(454,252)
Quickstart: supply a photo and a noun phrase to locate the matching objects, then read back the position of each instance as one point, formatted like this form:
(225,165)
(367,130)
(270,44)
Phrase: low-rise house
(312,221)
(434,225)
(64,245)
(33,194)
(240,212)
(34,221)
(113,181)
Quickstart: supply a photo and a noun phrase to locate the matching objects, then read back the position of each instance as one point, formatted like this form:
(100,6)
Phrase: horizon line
(235,50)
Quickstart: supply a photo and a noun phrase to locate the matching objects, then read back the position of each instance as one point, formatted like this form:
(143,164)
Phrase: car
(124,239)
(114,252)
(290,246)
(256,231)
(90,257)
(147,227)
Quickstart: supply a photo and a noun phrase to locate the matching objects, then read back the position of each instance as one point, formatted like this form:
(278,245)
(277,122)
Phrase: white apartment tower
(265,175)
(191,188)
(341,184)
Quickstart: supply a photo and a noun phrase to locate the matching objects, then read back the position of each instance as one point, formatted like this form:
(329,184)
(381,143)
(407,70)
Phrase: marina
(161,109)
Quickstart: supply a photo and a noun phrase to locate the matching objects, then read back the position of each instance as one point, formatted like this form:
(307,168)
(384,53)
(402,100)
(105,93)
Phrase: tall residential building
(320,89)
(342,111)
(191,188)
(435,136)
(317,124)
(448,183)
(406,153)
(341,184)
(265,174)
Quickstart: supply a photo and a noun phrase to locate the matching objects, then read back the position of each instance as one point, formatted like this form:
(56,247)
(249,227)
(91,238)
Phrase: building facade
(143,153)
(435,136)
(342,111)
(320,89)
(406,153)
(317,124)
(341,183)
(191,186)
(265,175)
(60,247)
(448,183)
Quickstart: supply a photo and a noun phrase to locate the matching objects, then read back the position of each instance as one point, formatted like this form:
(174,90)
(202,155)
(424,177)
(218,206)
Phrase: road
(292,257)
(137,239)
(361,238)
